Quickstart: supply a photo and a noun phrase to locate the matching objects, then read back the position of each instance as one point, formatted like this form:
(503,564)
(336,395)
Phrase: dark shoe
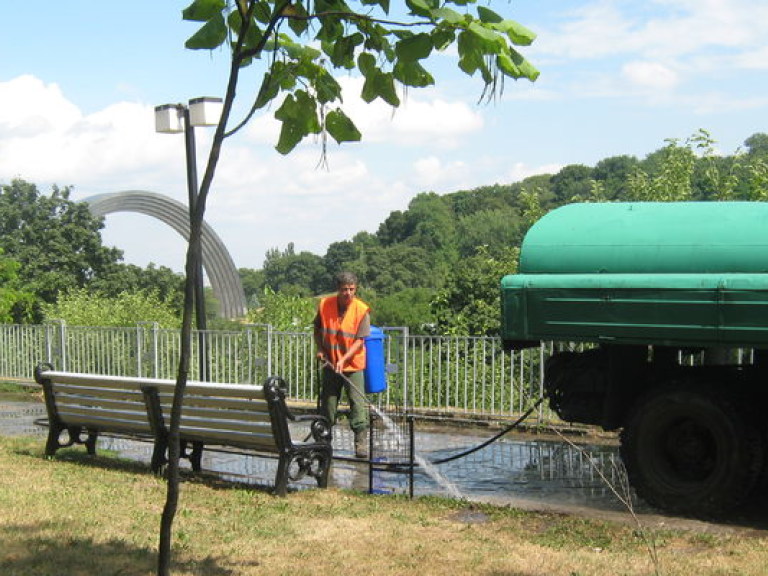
(361,444)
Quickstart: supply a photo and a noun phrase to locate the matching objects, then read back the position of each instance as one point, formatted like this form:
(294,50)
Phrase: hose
(492,439)
(469,451)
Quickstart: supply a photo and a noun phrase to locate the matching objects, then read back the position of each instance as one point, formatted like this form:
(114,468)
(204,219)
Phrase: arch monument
(217,262)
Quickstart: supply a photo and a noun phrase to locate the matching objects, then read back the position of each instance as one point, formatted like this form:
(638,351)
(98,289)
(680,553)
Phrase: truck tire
(692,451)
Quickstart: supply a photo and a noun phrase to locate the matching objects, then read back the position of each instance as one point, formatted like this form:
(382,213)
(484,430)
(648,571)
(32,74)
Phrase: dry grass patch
(78,515)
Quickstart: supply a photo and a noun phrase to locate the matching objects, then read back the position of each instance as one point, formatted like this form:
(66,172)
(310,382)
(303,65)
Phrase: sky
(79,81)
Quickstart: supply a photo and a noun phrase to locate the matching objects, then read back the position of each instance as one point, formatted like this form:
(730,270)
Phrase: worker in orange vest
(341,325)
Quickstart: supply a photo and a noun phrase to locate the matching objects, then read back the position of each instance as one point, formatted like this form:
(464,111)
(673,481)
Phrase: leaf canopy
(303,44)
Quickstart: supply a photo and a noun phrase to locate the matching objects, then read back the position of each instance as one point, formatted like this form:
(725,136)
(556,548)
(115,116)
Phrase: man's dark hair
(344,278)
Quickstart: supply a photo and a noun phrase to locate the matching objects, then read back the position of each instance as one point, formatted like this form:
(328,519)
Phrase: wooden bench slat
(211,402)
(216,415)
(128,382)
(241,426)
(102,403)
(230,438)
(103,414)
(107,424)
(90,392)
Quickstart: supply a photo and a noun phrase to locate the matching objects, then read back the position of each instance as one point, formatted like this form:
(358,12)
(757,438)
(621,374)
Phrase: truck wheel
(691,451)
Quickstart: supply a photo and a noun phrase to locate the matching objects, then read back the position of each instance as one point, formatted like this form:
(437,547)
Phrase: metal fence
(439,375)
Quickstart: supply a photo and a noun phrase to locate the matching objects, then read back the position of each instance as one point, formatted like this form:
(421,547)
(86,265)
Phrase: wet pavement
(527,473)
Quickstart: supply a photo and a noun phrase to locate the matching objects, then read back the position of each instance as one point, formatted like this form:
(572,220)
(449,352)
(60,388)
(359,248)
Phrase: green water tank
(649,237)
(674,274)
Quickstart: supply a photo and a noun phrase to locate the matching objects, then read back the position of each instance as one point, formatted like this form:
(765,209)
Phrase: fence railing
(442,375)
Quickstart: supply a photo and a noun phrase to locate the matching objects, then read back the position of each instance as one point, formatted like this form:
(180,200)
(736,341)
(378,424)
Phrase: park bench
(248,418)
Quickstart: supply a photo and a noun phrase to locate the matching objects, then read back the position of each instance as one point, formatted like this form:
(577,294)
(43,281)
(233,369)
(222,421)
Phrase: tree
(302,274)
(339,256)
(572,181)
(56,241)
(612,173)
(394,268)
(120,278)
(283,311)
(253,285)
(302,43)
(393,229)
(469,303)
(16,305)
(82,307)
(757,144)
(497,229)
(670,181)
(408,308)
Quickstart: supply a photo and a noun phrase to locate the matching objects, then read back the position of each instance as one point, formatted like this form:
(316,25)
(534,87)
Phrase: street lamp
(173,119)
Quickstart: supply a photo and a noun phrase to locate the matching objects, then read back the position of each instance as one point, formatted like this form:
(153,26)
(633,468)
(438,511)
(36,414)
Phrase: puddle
(531,473)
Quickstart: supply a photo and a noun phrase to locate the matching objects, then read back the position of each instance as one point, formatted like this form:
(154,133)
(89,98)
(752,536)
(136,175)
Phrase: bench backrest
(102,403)
(234,414)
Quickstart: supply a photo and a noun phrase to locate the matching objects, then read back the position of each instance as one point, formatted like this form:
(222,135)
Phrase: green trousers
(333,385)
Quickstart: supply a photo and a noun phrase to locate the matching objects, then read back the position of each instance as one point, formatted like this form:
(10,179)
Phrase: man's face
(346,293)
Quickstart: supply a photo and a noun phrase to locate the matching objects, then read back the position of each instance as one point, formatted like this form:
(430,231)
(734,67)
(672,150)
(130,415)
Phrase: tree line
(433,267)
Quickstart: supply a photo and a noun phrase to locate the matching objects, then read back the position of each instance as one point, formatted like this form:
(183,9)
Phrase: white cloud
(520,171)
(652,75)
(431,173)
(662,28)
(46,137)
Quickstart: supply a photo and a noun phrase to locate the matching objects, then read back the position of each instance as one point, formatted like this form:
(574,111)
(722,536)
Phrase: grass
(75,514)
(12,392)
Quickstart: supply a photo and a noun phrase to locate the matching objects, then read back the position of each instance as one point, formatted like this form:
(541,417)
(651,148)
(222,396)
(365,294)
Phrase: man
(341,325)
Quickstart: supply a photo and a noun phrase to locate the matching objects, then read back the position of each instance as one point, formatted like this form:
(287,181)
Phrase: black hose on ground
(492,439)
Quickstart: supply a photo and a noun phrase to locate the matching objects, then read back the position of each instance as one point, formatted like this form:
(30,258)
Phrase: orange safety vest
(339,333)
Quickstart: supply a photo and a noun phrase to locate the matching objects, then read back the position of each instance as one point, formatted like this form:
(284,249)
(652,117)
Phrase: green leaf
(343,52)
(298,113)
(443,37)
(254,35)
(263,12)
(340,127)
(448,15)
(487,35)
(330,30)
(380,85)
(517,33)
(290,135)
(507,66)
(419,7)
(385,86)
(412,74)
(416,47)
(470,55)
(298,25)
(280,78)
(298,51)
(326,87)
(203,10)
(527,69)
(488,16)
(210,36)
(366,63)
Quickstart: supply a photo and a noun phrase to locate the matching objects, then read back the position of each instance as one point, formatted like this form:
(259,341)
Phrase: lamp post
(173,119)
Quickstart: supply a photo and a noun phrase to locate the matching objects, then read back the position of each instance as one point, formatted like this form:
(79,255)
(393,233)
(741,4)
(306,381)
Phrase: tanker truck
(658,315)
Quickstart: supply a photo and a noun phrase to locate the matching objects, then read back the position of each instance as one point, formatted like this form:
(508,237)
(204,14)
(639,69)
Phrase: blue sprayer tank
(375,372)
